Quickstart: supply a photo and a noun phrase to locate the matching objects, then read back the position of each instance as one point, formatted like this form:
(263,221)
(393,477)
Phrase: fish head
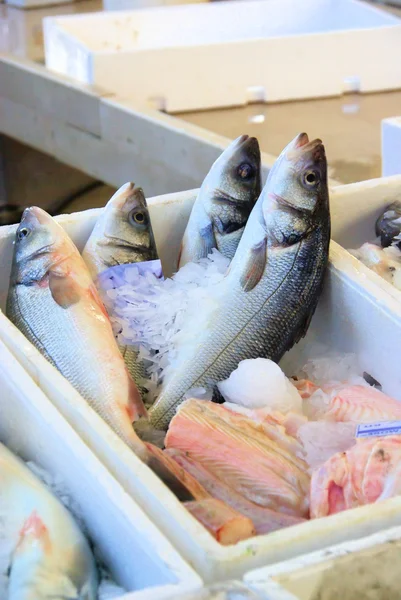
(40,242)
(296,191)
(124,232)
(236,174)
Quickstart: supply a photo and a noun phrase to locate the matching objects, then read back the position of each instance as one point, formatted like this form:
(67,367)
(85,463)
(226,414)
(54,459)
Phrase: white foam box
(391,146)
(300,579)
(353,315)
(21,31)
(134,4)
(134,550)
(230,53)
(354,211)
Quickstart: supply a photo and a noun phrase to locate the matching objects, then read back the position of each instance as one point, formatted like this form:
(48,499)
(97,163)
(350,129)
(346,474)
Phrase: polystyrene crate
(300,579)
(354,210)
(391,146)
(135,4)
(353,315)
(135,551)
(230,53)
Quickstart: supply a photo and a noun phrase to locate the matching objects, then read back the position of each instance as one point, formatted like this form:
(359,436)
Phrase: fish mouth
(302,148)
(126,192)
(248,144)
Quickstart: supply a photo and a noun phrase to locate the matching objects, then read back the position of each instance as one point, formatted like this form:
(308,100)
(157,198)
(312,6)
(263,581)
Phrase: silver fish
(388,225)
(54,302)
(50,558)
(273,283)
(122,234)
(224,202)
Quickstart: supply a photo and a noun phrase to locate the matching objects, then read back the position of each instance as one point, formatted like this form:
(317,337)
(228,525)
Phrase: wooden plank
(35,87)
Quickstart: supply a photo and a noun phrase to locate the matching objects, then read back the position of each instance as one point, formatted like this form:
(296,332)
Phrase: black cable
(12,213)
(75,196)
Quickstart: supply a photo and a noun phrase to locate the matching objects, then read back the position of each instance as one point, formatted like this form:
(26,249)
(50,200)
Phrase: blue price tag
(378,429)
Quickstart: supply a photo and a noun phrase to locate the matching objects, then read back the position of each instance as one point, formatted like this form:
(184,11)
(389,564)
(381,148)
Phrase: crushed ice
(260,383)
(160,316)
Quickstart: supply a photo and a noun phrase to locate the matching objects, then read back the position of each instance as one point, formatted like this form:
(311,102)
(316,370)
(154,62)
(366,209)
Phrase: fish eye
(137,217)
(310,179)
(23,233)
(245,171)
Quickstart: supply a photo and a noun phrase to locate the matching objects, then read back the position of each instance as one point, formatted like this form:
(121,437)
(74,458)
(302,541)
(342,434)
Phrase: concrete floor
(350,127)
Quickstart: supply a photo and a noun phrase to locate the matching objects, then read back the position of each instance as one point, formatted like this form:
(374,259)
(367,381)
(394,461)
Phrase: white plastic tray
(391,146)
(353,315)
(230,53)
(299,579)
(354,211)
(138,555)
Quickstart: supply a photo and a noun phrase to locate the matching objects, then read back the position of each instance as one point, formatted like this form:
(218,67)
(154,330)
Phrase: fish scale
(53,301)
(264,329)
(67,349)
(266,320)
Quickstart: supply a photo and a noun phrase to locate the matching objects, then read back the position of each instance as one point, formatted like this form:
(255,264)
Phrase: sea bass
(224,202)
(49,557)
(123,234)
(274,281)
(54,302)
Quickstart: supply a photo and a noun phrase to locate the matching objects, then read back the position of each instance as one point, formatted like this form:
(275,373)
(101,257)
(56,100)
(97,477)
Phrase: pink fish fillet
(265,520)
(352,403)
(237,450)
(277,426)
(365,473)
(225,524)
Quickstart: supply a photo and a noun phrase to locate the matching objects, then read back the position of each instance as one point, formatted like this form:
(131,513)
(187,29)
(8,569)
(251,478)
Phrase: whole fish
(54,302)
(224,202)
(388,225)
(122,234)
(49,557)
(273,283)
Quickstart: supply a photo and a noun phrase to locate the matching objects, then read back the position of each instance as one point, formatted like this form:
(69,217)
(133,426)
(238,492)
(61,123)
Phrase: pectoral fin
(255,266)
(64,290)
(207,240)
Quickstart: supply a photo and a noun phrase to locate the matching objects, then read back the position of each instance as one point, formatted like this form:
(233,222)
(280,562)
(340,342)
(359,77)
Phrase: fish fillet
(225,524)
(265,520)
(235,450)
(362,475)
(355,403)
